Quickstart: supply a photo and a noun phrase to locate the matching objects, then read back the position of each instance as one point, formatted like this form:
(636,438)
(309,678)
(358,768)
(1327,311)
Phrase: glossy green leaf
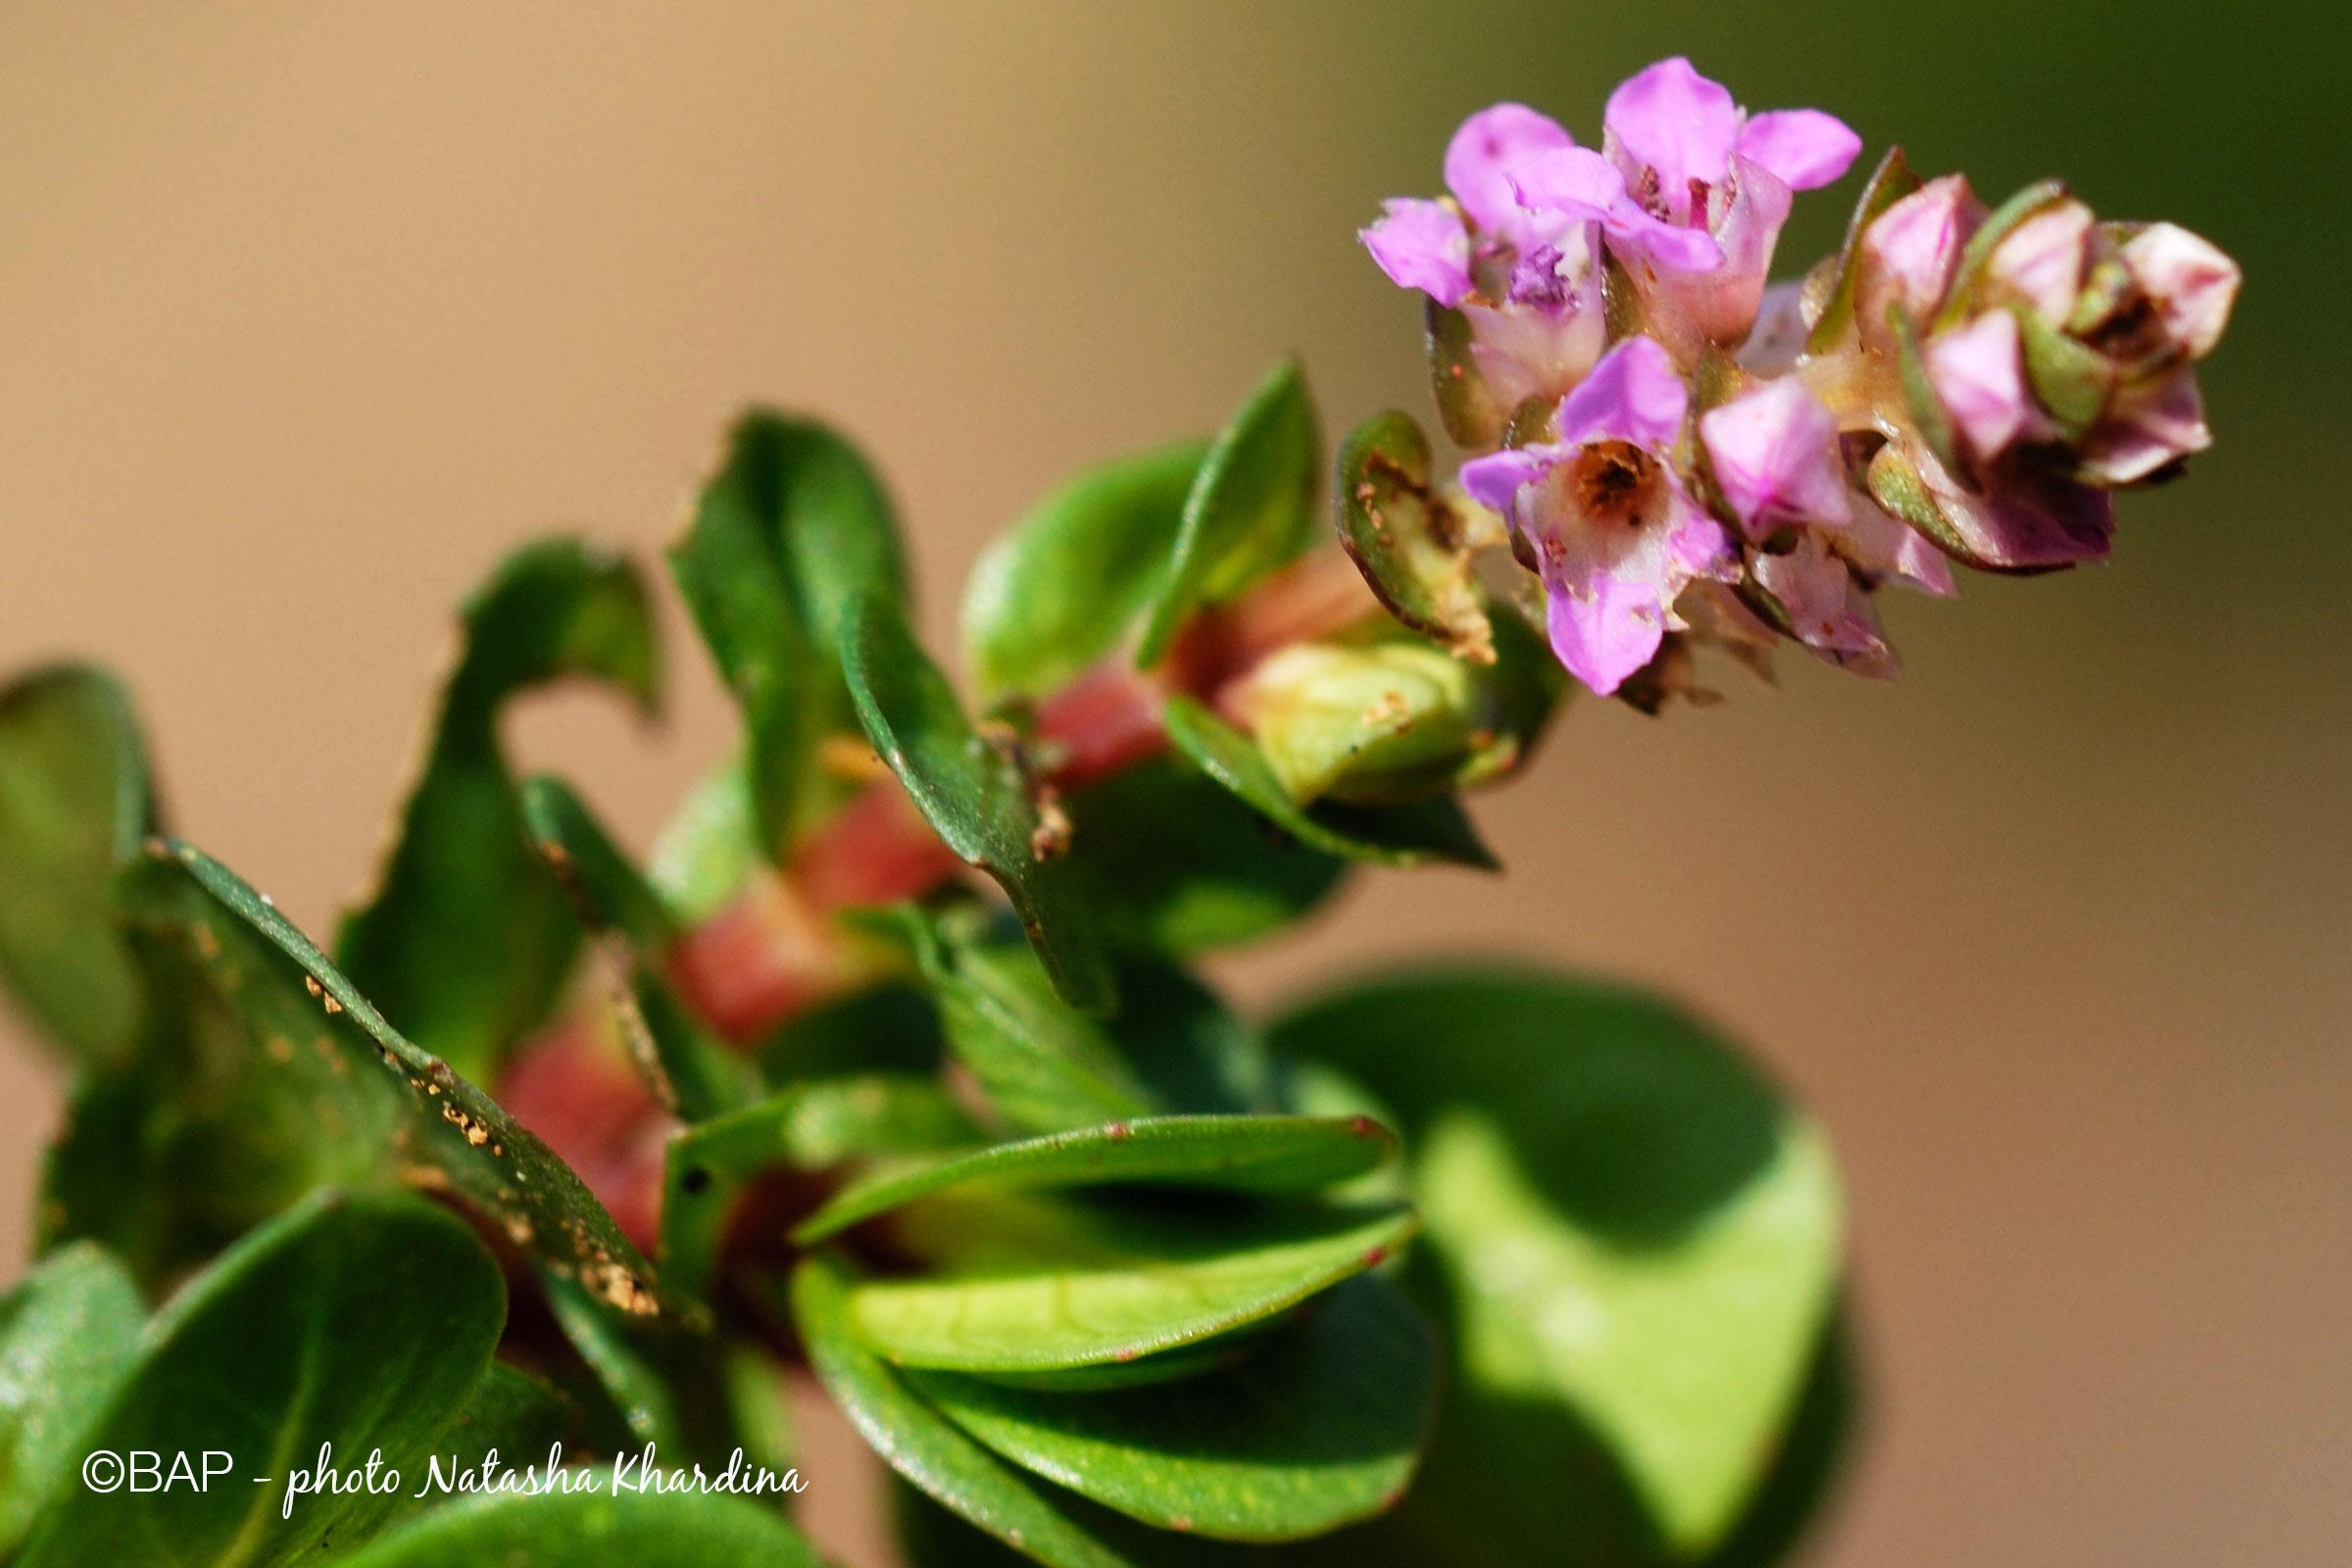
(690,1071)
(1250,509)
(810,1127)
(69,1332)
(1021,1284)
(1409,545)
(1221,1154)
(920,1444)
(468,941)
(1466,406)
(1888,183)
(75,803)
(652,1381)
(592,1530)
(362,1321)
(1315,1428)
(1631,1225)
(446,1131)
(1175,863)
(974,792)
(791,531)
(1065,584)
(1385,835)
(516,1414)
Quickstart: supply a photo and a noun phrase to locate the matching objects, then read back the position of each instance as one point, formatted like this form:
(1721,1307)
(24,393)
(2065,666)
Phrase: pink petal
(1605,630)
(1490,145)
(1495,479)
(1422,244)
(1806,148)
(2021,520)
(1718,304)
(2041,261)
(1527,352)
(1632,395)
(1673,120)
(1774,452)
(2148,427)
(1978,373)
(2192,280)
(1824,606)
(1885,548)
(1909,253)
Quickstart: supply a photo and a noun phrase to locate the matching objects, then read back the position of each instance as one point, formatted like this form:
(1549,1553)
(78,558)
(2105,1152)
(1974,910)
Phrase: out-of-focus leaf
(1318,1426)
(881,1028)
(69,1332)
(445,1131)
(1250,509)
(468,941)
(791,531)
(690,1073)
(75,803)
(592,1530)
(1061,588)
(362,1321)
(653,1381)
(701,856)
(1409,545)
(1384,835)
(973,791)
(1019,1284)
(810,1127)
(1176,864)
(925,1446)
(1632,1229)
(1224,1153)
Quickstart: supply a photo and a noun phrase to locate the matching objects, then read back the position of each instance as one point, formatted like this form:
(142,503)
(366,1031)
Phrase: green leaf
(974,792)
(75,803)
(1386,835)
(1250,509)
(362,1321)
(1223,1154)
(1065,583)
(691,1072)
(701,854)
(1631,1225)
(513,1413)
(1175,863)
(1019,1284)
(592,1530)
(1888,183)
(790,532)
(922,1445)
(655,1382)
(1466,406)
(283,987)
(810,1127)
(468,941)
(1404,539)
(69,1332)
(1315,1428)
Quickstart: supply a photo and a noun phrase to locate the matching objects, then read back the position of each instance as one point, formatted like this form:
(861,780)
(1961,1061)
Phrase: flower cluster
(1683,454)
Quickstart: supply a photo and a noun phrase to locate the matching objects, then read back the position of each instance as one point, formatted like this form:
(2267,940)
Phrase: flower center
(1612,481)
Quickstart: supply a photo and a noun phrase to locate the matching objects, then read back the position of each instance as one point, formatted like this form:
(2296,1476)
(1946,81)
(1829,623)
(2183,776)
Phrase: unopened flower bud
(1376,722)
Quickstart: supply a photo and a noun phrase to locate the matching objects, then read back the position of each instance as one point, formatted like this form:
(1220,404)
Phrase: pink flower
(1690,160)
(1528,285)
(1774,452)
(1604,520)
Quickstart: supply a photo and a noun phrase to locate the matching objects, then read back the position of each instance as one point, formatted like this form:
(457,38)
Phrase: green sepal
(1251,508)
(975,793)
(1416,834)
(791,531)
(1466,406)
(1960,300)
(76,804)
(2072,380)
(1888,183)
(1068,581)
(1927,414)
(1410,546)
(468,941)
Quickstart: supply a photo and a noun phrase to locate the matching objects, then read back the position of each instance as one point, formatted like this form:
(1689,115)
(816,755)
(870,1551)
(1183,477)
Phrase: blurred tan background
(306,313)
